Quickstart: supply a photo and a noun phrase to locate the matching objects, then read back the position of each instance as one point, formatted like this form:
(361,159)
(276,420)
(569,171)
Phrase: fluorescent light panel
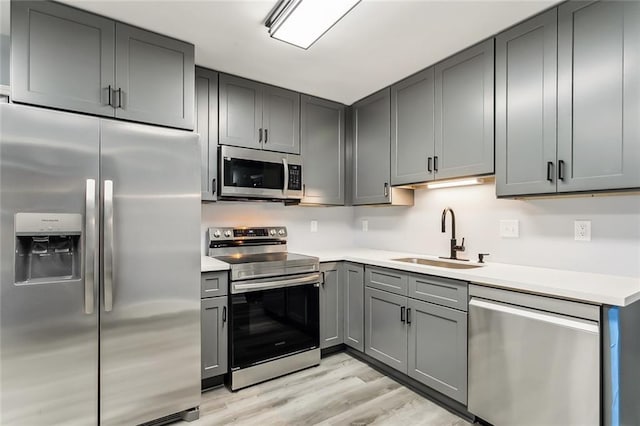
(452,183)
(305,21)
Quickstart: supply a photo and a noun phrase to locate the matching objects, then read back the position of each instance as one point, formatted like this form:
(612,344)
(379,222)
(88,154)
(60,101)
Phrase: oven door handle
(268,283)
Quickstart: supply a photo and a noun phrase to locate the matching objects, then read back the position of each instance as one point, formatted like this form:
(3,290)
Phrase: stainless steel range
(274,305)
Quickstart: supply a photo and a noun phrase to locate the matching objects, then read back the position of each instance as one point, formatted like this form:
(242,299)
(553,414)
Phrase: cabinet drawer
(214,284)
(439,290)
(387,280)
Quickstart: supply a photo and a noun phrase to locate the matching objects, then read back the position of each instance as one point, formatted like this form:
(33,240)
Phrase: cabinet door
(240,112)
(352,282)
(526,77)
(331,307)
(372,149)
(438,348)
(412,129)
(323,150)
(214,336)
(464,113)
(598,95)
(206,126)
(62,57)
(385,328)
(155,78)
(281,120)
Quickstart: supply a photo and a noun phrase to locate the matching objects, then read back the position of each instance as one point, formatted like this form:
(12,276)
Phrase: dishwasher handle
(532,314)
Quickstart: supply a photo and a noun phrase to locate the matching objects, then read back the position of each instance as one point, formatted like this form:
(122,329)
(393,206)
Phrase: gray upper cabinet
(386,328)
(412,129)
(62,57)
(214,328)
(254,115)
(598,95)
(66,58)
(322,145)
(240,112)
(331,306)
(464,103)
(352,281)
(155,78)
(206,125)
(281,120)
(526,76)
(438,348)
(372,149)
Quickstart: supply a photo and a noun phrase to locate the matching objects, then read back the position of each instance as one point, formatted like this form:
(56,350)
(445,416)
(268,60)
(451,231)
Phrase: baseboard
(332,350)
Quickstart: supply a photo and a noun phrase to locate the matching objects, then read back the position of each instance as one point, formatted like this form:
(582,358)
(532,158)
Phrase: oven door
(273,322)
(249,173)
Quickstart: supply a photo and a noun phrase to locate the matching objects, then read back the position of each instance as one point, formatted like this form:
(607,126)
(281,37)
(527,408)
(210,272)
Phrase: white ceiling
(377,43)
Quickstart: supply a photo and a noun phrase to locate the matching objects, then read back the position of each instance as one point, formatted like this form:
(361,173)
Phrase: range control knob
(272,232)
(281,231)
(216,233)
(227,234)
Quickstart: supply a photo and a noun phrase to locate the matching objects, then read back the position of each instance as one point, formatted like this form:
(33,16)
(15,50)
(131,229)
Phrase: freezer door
(48,320)
(150,301)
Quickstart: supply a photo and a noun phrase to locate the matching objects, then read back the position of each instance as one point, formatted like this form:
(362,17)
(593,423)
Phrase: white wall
(334,223)
(546,229)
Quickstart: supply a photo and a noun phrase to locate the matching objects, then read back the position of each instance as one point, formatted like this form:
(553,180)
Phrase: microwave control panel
(295,177)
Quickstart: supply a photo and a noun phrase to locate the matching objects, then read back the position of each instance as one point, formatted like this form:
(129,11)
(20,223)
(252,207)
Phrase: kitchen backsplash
(546,227)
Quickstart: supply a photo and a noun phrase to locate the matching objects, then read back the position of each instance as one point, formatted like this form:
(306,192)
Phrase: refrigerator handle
(108,245)
(90,245)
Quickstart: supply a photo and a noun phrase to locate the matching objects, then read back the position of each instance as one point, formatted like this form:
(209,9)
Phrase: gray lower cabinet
(154,77)
(214,329)
(206,125)
(331,306)
(464,113)
(70,59)
(352,282)
(258,116)
(386,328)
(598,95)
(437,354)
(412,129)
(322,145)
(526,78)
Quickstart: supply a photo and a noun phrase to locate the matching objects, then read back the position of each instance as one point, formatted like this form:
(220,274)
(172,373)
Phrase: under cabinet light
(302,22)
(451,183)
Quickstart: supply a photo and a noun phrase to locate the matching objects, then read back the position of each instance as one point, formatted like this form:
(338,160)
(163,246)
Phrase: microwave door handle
(285,186)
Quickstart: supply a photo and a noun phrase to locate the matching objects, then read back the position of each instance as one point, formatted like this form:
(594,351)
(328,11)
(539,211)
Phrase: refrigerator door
(150,301)
(48,291)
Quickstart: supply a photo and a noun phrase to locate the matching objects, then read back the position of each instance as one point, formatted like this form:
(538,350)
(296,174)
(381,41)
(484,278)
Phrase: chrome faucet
(455,248)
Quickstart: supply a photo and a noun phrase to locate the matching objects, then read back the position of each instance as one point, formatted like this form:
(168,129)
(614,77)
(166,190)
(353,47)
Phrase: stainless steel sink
(440,263)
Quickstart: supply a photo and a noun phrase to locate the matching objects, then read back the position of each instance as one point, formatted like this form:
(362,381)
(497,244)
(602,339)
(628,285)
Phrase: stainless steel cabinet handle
(430,164)
(90,241)
(108,246)
(408,315)
(224,314)
(260,135)
(561,170)
(435,163)
(549,171)
(402,314)
(266,135)
(386,189)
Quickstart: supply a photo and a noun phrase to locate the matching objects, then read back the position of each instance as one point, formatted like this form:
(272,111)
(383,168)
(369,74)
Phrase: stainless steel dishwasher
(533,360)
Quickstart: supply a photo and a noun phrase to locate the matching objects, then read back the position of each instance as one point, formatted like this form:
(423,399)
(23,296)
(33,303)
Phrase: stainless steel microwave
(251,173)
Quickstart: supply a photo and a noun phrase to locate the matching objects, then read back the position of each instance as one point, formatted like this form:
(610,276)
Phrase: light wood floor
(341,391)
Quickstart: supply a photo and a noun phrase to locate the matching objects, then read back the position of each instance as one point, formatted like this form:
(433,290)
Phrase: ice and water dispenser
(48,247)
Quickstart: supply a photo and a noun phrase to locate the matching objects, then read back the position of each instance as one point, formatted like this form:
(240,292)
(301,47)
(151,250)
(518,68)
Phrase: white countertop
(582,286)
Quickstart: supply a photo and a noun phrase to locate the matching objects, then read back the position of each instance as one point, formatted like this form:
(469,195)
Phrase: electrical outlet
(582,230)
(314,226)
(365,225)
(509,229)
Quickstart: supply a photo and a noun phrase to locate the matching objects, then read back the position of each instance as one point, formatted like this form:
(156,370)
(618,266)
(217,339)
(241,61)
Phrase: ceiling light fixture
(452,183)
(302,22)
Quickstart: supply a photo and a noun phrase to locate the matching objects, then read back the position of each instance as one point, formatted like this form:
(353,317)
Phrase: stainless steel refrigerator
(100,258)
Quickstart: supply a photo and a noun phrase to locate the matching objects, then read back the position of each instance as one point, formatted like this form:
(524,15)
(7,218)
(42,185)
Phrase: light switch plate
(314,226)
(582,230)
(510,228)
(365,225)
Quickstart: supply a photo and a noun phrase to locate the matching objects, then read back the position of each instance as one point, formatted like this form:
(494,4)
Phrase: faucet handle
(461,246)
(481,257)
